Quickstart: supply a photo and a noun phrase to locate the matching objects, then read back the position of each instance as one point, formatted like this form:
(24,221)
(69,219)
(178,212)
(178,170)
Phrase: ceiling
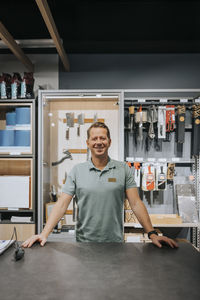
(108,26)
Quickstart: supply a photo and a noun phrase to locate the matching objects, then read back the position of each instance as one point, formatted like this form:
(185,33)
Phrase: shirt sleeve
(70,184)
(129,178)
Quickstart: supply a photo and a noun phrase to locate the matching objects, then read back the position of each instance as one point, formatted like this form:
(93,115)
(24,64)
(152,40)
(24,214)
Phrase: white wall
(46,68)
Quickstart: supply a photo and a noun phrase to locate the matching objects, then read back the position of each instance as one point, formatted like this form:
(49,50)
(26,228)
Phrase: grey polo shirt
(100,196)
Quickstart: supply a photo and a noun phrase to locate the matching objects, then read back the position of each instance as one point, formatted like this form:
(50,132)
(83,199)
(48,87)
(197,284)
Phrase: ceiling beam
(15,48)
(48,19)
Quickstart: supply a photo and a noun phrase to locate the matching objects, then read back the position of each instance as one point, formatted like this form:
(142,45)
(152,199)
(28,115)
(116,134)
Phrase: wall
(46,68)
(131,71)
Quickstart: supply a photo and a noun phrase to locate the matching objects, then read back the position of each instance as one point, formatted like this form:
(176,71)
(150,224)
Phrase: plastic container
(10,118)
(22,137)
(23,115)
(7,138)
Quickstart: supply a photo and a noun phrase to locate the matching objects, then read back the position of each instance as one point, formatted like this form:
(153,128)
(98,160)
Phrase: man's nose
(99,141)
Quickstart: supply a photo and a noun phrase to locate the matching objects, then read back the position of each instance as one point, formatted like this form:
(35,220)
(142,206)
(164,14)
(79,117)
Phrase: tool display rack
(145,98)
(53,140)
(19,161)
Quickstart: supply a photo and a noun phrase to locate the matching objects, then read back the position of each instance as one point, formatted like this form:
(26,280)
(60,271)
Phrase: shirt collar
(110,164)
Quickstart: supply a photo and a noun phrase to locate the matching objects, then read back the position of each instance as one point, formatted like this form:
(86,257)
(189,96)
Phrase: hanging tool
(170,120)
(152,117)
(161,179)
(69,122)
(67,156)
(161,122)
(140,117)
(131,116)
(137,173)
(53,193)
(126,134)
(95,118)
(196,130)
(150,179)
(80,122)
(181,124)
(170,171)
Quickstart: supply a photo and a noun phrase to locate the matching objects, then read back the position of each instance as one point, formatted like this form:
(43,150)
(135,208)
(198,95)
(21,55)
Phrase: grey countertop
(88,271)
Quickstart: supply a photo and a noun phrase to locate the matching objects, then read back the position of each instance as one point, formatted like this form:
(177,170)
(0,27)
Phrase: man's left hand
(159,240)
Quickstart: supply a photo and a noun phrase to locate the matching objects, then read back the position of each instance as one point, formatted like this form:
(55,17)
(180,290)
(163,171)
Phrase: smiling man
(100,186)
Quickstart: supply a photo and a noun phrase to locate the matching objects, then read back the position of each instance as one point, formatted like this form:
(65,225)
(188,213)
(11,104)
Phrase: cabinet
(64,117)
(17,168)
(112,106)
(159,136)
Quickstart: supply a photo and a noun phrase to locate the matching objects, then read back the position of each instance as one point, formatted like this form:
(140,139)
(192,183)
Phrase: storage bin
(22,137)
(22,115)
(6,137)
(10,118)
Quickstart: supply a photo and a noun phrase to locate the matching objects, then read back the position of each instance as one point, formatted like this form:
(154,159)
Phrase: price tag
(131,159)
(141,100)
(133,239)
(151,159)
(162,160)
(137,225)
(163,100)
(13,208)
(183,100)
(15,153)
(139,159)
(175,159)
(197,100)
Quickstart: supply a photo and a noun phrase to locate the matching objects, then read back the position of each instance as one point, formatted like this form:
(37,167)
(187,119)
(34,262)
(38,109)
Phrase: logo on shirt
(112,179)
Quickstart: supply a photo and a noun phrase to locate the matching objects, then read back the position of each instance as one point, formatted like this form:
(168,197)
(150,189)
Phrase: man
(100,186)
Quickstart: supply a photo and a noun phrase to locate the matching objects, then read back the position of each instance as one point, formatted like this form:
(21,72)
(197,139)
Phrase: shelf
(7,101)
(175,160)
(137,225)
(14,150)
(9,222)
(16,211)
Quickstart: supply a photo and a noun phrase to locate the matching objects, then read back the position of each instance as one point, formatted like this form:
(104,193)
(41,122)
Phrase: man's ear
(110,142)
(87,143)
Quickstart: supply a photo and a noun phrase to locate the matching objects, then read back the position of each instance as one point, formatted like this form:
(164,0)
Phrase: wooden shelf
(137,225)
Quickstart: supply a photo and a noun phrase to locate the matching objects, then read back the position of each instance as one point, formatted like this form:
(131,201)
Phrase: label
(112,179)
(141,100)
(183,100)
(133,239)
(163,100)
(137,225)
(162,160)
(151,159)
(131,159)
(197,100)
(175,159)
(13,208)
(15,153)
(139,159)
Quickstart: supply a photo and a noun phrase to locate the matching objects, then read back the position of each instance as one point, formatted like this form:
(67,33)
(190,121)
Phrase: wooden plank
(86,120)
(15,48)
(49,21)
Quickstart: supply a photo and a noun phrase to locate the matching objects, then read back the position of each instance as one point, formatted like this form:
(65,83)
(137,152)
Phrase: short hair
(98,125)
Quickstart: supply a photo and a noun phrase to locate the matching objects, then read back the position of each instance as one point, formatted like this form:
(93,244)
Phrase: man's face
(98,142)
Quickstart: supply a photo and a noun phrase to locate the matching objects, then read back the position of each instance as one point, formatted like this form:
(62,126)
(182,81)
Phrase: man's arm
(142,215)
(57,212)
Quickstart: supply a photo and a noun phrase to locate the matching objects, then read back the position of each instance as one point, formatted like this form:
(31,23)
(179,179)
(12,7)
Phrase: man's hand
(158,240)
(35,238)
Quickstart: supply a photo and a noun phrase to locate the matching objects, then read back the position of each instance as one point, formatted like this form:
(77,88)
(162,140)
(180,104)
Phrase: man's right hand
(35,238)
